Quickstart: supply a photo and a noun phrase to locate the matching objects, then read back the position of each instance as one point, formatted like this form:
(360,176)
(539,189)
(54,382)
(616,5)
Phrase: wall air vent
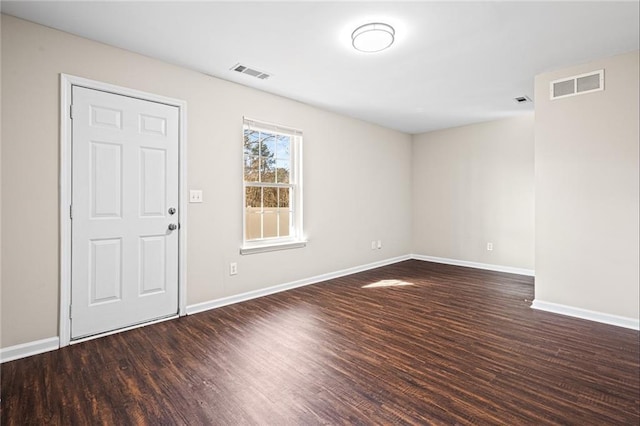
(522,99)
(250,71)
(577,85)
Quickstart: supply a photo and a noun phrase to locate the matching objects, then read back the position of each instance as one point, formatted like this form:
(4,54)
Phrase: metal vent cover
(522,99)
(243,69)
(577,85)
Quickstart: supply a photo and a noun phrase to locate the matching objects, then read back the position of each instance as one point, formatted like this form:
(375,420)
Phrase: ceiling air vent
(522,99)
(250,71)
(577,85)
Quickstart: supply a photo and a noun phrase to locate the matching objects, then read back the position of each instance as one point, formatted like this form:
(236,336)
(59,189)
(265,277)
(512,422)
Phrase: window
(272,187)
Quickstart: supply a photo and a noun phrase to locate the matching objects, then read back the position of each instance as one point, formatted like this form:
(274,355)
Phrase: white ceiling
(453,63)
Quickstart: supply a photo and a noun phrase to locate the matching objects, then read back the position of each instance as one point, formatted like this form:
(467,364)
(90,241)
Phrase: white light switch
(195,196)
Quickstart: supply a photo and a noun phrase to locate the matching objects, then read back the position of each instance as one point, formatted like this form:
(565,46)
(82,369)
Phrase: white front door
(124,261)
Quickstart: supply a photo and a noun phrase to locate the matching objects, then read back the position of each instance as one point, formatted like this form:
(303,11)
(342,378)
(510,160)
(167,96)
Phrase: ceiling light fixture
(373,37)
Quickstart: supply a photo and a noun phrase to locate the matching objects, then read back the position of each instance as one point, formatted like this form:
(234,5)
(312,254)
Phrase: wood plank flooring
(457,346)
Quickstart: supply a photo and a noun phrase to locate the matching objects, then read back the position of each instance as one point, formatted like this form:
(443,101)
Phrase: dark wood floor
(459,346)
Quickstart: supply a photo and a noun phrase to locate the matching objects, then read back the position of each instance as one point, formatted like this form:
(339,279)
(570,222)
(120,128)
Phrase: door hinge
(71,112)
(70,316)
(70,211)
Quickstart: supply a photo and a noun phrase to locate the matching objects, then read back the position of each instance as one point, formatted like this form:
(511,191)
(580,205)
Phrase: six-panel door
(124,183)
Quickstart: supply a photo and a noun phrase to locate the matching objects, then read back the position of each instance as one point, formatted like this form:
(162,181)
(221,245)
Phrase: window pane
(268,174)
(267,154)
(285,220)
(270,197)
(253,197)
(283,169)
(283,147)
(270,223)
(253,224)
(251,145)
(283,197)
(251,168)
(267,145)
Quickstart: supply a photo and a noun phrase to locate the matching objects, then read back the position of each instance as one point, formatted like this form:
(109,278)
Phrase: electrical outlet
(379,244)
(490,246)
(373,245)
(233,268)
(195,196)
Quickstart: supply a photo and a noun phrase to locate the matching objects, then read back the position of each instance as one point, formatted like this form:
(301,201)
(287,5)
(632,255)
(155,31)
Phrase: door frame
(66,84)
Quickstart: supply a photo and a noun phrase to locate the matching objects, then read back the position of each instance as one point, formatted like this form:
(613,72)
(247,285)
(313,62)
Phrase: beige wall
(357,177)
(586,154)
(473,185)
(443,194)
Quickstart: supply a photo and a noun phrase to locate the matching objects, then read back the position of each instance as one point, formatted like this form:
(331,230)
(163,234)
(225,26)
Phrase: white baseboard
(487,266)
(218,303)
(572,311)
(27,349)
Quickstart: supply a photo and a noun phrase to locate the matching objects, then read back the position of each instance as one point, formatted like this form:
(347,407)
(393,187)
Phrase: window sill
(263,248)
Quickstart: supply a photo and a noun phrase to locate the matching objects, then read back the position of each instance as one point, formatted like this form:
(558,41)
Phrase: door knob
(173,227)
(172,210)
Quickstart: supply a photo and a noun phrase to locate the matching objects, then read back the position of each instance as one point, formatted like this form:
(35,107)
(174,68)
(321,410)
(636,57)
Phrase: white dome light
(373,37)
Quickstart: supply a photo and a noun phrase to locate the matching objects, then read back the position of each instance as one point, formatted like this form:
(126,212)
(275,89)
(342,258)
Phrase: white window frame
(296,237)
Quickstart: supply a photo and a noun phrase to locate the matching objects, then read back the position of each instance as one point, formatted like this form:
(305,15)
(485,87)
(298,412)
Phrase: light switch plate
(195,196)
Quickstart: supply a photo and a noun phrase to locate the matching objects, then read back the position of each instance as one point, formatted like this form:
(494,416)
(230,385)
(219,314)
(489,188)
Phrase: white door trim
(66,84)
